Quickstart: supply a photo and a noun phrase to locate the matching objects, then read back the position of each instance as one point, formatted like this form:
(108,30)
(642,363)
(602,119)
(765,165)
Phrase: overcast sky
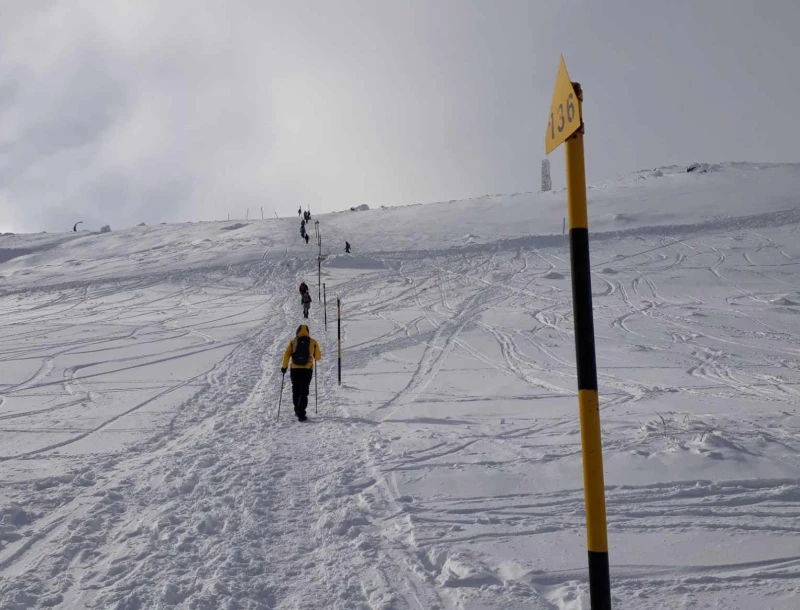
(119,112)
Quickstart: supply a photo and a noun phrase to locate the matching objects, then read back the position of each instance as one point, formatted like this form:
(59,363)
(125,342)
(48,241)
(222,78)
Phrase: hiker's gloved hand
(283,371)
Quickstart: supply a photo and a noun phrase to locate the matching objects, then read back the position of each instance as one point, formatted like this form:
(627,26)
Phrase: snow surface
(142,465)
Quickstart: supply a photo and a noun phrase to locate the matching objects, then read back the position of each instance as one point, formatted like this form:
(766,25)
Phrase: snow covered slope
(143,466)
(659,201)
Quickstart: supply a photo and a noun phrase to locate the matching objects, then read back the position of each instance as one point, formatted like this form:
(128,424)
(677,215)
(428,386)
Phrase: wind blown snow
(143,464)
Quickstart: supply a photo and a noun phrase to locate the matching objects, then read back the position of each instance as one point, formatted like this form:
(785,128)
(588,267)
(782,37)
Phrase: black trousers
(301,382)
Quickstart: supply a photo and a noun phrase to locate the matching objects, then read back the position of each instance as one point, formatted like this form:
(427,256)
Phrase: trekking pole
(283,378)
(316,391)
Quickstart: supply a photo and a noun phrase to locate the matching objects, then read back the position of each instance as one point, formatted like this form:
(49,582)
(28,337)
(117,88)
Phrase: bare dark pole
(283,378)
(319,260)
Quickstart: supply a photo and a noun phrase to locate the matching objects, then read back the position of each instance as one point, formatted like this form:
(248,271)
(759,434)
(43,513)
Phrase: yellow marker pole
(593,485)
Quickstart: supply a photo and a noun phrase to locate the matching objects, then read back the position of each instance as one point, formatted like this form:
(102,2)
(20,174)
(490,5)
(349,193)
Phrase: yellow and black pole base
(593,485)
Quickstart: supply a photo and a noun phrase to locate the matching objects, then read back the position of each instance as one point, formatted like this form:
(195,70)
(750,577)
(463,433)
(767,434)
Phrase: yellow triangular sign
(565,111)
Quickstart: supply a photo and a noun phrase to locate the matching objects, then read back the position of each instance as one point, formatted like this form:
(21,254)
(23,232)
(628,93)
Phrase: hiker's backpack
(306,298)
(301,351)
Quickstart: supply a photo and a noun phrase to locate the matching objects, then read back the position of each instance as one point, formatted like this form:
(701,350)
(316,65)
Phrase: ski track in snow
(142,464)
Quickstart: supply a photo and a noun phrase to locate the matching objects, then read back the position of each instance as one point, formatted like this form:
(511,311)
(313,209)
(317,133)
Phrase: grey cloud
(76,116)
(149,111)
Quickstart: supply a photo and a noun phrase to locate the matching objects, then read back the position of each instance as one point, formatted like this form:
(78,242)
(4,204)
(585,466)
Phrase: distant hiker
(306,237)
(308,215)
(302,230)
(306,301)
(347,247)
(303,288)
(300,212)
(303,352)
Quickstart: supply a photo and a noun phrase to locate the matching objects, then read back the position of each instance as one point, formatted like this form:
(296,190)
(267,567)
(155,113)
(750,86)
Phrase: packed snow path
(143,467)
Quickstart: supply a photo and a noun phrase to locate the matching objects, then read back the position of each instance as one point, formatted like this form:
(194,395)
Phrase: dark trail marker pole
(319,261)
(339,334)
(566,126)
(325,307)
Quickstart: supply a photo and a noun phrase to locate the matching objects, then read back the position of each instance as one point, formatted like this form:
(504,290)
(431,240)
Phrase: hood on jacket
(302,331)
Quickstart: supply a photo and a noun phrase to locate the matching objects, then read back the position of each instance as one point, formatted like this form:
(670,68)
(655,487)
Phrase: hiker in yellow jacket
(302,352)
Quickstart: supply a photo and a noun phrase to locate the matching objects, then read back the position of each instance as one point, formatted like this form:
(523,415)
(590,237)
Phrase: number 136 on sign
(565,111)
